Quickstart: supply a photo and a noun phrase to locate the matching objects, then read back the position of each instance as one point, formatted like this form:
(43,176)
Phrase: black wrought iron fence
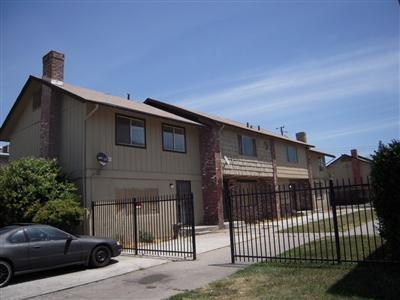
(338,224)
(161,226)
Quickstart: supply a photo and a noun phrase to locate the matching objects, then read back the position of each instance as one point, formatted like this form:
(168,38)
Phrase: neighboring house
(352,167)
(147,151)
(235,155)
(4,156)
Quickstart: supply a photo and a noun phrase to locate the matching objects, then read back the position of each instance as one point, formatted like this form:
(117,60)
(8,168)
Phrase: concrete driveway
(27,286)
(37,284)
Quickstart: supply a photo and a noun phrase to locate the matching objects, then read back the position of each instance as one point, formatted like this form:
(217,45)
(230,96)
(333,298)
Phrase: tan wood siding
(319,172)
(101,138)
(71,130)
(286,169)
(133,168)
(243,165)
(25,134)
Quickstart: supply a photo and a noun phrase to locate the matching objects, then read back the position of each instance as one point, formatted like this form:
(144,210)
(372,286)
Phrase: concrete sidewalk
(57,284)
(159,282)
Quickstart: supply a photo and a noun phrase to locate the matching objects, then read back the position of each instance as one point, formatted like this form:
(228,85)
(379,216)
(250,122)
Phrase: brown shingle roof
(119,102)
(191,114)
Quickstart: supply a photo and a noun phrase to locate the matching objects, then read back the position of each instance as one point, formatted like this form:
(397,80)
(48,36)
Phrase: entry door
(183,191)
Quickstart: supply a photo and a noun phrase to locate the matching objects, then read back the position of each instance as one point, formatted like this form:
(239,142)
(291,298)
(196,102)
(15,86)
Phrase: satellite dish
(227,160)
(102,159)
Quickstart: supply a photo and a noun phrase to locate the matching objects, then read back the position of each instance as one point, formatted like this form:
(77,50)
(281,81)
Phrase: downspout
(221,222)
(88,116)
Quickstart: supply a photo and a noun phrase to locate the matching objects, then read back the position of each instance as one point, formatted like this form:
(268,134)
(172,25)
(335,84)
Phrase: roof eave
(158,104)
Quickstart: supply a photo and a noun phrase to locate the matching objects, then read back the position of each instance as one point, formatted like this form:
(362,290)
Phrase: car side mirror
(69,238)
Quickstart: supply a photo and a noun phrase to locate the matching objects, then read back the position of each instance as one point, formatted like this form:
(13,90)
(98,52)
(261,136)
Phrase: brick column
(210,159)
(50,117)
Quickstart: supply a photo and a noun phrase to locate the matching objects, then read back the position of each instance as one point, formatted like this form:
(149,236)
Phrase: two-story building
(247,157)
(111,147)
(115,148)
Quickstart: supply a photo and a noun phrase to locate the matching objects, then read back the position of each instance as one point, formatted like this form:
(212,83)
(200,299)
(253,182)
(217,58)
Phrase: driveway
(27,286)
(37,284)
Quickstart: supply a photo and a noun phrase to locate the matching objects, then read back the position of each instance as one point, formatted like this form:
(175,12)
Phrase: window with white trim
(130,131)
(174,138)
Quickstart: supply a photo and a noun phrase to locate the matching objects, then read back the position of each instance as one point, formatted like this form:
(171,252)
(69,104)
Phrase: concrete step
(205,229)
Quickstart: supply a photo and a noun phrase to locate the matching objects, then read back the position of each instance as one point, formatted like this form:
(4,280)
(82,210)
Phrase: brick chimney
(301,137)
(53,67)
(355,166)
(51,99)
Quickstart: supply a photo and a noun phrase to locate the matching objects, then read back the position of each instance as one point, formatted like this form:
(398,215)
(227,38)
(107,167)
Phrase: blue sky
(330,68)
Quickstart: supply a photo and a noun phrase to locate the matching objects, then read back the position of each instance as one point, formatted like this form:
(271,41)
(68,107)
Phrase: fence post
(335,222)
(227,197)
(193,227)
(92,229)
(136,228)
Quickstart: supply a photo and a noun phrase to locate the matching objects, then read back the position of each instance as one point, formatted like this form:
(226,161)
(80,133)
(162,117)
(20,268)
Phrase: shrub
(145,237)
(31,188)
(385,178)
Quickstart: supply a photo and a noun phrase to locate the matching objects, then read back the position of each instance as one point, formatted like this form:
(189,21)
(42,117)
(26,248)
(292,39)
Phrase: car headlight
(118,243)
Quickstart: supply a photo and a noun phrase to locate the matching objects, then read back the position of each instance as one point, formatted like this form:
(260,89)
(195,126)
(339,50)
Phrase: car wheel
(5,273)
(100,257)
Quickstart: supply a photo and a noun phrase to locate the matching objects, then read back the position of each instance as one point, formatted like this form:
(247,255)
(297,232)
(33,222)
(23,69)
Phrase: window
(17,237)
(292,154)
(174,138)
(247,145)
(130,132)
(36,234)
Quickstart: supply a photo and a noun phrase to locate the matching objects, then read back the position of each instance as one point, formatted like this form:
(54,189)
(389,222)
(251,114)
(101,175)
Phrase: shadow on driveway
(51,273)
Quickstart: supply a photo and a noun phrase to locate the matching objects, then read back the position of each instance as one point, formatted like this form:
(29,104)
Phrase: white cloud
(346,74)
(359,128)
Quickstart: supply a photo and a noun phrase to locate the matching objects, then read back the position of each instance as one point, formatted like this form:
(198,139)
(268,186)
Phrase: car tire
(5,273)
(100,257)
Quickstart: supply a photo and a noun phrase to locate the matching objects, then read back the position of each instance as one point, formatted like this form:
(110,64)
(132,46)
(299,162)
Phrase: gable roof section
(96,97)
(199,118)
(322,152)
(346,157)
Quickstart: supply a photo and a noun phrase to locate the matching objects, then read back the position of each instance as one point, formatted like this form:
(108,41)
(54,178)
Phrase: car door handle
(36,247)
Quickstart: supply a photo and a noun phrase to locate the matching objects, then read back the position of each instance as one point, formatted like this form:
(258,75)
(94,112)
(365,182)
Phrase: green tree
(35,190)
(385,178)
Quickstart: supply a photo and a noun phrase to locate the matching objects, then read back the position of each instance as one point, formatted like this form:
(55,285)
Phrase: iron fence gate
(161,226)
(339,225)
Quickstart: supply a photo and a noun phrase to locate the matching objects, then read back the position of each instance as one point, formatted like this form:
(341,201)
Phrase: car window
(36,234)
(17,237)
(45,234)
(55,234)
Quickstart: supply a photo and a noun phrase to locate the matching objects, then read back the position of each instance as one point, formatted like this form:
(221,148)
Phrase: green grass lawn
(304,281)
(352,248)
(346,222)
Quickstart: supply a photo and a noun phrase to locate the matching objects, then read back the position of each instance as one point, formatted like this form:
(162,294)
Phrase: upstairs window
(247,145)
(292,154)
(174,138)
(130,132)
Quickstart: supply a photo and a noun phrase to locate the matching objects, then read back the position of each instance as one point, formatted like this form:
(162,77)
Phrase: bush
(385,178)
(145,237)
(33,190)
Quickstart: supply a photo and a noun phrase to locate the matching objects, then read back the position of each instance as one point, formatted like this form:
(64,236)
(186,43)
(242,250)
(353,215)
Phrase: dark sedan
(26,248)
